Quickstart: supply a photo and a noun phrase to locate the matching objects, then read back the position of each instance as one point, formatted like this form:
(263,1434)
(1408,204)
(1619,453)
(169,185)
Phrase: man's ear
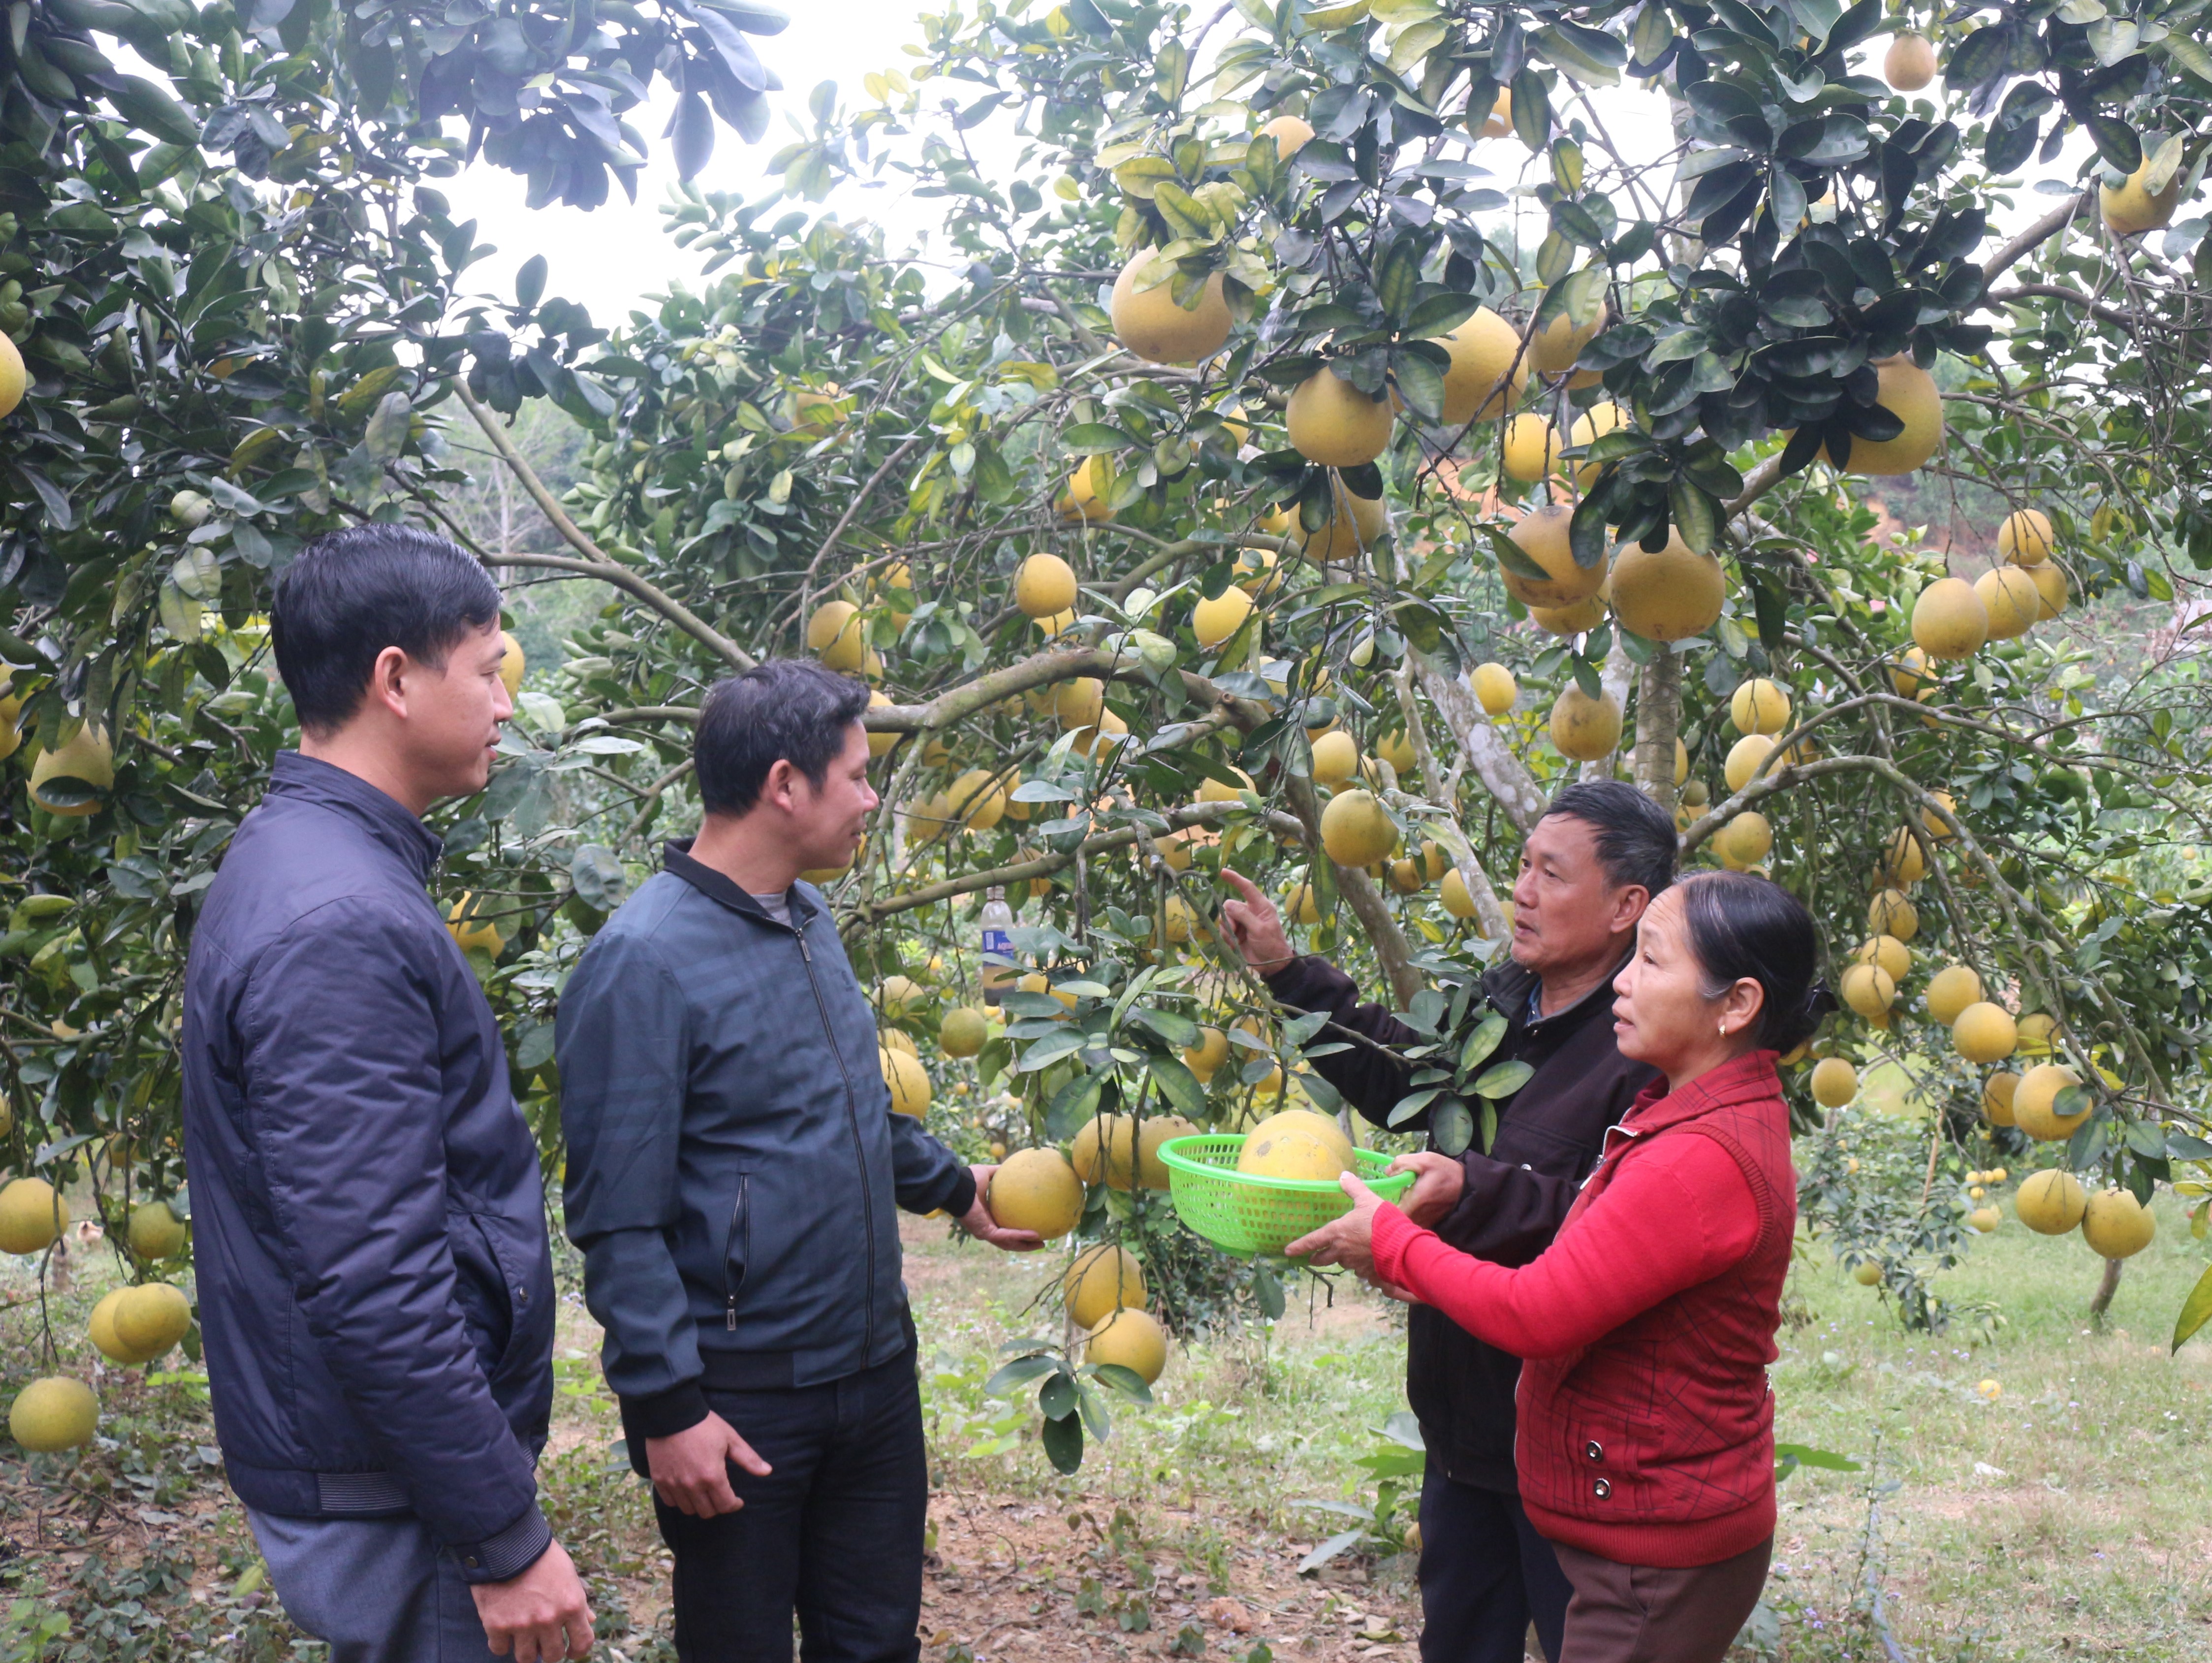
(1630,903)
(388,681)
(780,786)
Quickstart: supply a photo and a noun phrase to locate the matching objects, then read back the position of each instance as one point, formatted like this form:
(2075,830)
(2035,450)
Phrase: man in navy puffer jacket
(375,1287)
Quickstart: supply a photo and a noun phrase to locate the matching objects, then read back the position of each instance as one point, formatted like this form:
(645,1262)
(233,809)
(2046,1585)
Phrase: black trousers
(1486,1575)
(834,1533)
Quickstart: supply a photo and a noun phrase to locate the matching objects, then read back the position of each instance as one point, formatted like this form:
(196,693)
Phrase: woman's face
(1661,1015)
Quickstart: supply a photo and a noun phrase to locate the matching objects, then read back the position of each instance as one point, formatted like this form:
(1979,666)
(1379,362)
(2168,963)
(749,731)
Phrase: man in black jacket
(734,1173)
(375,1287)
(1590,867)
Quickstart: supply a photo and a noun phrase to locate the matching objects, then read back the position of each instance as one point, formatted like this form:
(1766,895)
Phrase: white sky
(611,257)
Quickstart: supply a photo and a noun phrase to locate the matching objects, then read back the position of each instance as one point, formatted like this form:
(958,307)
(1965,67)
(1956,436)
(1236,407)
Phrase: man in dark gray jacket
(734,1173)
(375,1287)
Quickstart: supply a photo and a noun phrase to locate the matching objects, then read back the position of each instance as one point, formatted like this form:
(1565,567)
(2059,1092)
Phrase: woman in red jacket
(1646,1444)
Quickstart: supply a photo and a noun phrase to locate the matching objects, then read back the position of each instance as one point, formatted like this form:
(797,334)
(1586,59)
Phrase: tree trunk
(2107,1286)
(1392,951)
(1658,724)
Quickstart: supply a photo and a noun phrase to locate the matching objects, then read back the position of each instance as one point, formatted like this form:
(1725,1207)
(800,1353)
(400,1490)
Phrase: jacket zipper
(860,1146)
(729,1246)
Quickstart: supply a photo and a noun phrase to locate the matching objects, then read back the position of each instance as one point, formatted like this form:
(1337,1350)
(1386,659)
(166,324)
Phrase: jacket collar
(310,779)
(676,860)
(1511,986)
(1750,1078)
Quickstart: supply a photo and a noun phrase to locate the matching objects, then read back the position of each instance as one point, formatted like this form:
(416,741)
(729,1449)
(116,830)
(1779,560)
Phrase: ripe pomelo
(1583,727)
(1104,1151)
(1554,348)
(1891,912)
(1214,790)
(1397,748)
(963,1032)
(979,799)
(14,379)
(1151,1171)
(1486,374)
(2117,1225)
(835,635)
(1334,424)
(1355,523)
(2025,537)
(86,755)
(1998,1092)
(1892,955)
(1457,902)
(2049,1203)
(1759,706)
(1902,863)
(1289,133)
(2128,208)
(1744,758)
(151,1318)
(1151,324)
(156,1232)
(1868,990)
(1335,757)
(1542,535)
(2035,1103)
(1132,1339)
(908,1079)
(1571,620)
(1084,498)
(1950,990)
(2008,595)
(2050,581)
(1044,586)
(1908,392)
(1211,1051)
(1215,621)
(31,1216)
(512,663)
(1983,1032)
(1909,63)
(101,1330)
(1495,690)
(1036,1190)
(1594,423)
(1949,620)
(1667,594)
(1835,1082)
(1078,702)
(1103,1278)
(1531,448)
(56,1413)
(1356,830)
(1289,1153)
(1744,841)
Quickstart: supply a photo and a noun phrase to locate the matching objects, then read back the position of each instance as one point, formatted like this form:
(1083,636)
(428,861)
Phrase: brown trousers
(1651,1614)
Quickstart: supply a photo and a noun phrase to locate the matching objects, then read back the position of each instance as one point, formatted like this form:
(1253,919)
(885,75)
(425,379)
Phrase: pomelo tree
(1309,437)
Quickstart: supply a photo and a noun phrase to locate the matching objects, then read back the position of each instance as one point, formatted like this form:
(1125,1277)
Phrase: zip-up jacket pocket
(736,1249)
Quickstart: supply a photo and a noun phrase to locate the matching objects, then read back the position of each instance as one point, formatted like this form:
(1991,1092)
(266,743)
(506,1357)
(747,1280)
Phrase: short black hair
(1742,925)
(1636,841)
(789,709)
(350,594)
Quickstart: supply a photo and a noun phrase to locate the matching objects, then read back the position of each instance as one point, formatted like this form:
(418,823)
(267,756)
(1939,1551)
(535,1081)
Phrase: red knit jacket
(1647,1426)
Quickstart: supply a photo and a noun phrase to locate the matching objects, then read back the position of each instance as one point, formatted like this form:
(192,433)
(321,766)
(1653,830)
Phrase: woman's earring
(1724,1025)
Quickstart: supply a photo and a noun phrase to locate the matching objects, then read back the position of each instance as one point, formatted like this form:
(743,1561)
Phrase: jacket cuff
(963,1194)
(1288,982)
(664,1414)
(507,1555)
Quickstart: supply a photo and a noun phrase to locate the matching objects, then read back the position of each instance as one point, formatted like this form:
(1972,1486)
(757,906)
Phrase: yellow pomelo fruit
(1669,594)
(1867,1273)
(1553,349)
(1759,706)
(1174,849)
(1407,877)
(1594,423)
(1215,621)
(1583,727)
(1397,748)
(1892,955)
(1044,586)
(56,1413)
(1182,923)
(1211,1051)
(1542,535)
(1532,448)
(835,635)
(1582,615)
(1908,392)
(1868,990)
(1435,861)
(11,717)
(1909,63)
(881,745)
(1334,424)
(1103,1278)
(31,1216)
(1495,690)
(2049,1203)
(152,1318)
(1744,758)
(1486,374)
(1355,829)
(1151,324)
(2034,1103)
(2050,581)
(1355,523)
(1214,790)
(1949,619)
(908,1079)
(1983,1032)
(1835,1082)
(2116,1225)
(1902,863)
(1036,1190)
(898,1039)
(816,407)
(85,755)
(897,996)
(1335,757)
(1111,731)
(1104,1151)
(1254,572)
(156,1232)
(1744,841)
(1998,1092)
(2037,1030)
(1681,764)
(512,663)
(101,1330)
(963,1032)
(1891,912)
(1289,133)
(1905,675)
(1132,1339)
(1950,990)
(2025,537)
(1289,1153)
(1933,823)
(1313,1124)
(1151,1171)
(13,378)
(1983,1220)
(1457,902)
(2008,595)
(1084,498)
(1078,702)
(2130,207)
(978,798)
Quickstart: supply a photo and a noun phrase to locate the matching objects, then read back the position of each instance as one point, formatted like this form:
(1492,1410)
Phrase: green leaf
(2195,1311)
(1483,1041)
(1452,1128)
(1016,1372)
(1697,516)
(1063,1443)
(1439,314)
(1504,1080)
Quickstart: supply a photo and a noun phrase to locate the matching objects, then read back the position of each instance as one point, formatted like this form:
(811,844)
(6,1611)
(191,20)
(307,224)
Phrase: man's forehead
(1556,835)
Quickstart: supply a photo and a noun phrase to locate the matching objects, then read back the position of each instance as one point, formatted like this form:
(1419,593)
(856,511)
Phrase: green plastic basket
(1245,1214)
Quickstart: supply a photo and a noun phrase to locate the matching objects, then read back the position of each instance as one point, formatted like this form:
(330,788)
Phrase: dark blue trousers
(834,1533)
(1486,1575)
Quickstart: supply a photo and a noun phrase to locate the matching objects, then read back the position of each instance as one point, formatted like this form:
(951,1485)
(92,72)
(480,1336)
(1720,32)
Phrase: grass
(2055,1512)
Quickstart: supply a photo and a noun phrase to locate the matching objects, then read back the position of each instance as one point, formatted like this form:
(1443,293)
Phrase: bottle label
(996,943)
